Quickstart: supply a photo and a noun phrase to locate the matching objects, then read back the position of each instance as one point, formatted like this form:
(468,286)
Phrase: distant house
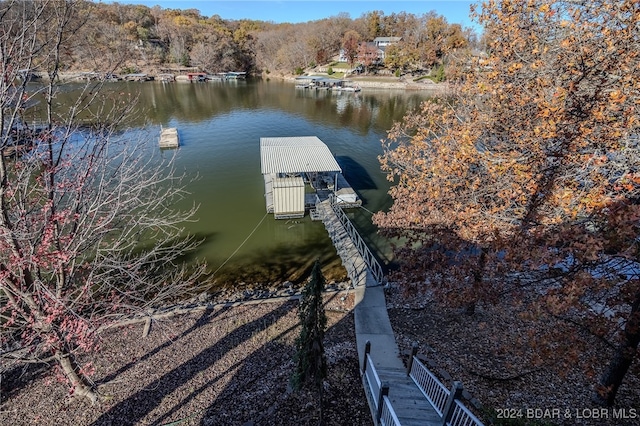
(381,43)
(373,52)
(375,48)
(386,41)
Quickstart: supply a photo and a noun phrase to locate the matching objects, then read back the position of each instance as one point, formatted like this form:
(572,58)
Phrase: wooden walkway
(373,325)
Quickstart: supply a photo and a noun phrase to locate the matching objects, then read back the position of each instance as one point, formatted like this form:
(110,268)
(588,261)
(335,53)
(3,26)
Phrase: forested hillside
(118,38)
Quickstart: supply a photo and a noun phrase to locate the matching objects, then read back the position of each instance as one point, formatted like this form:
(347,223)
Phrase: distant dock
(169,137)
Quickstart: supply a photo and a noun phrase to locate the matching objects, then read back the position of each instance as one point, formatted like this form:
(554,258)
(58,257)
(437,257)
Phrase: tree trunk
(320,405)
(81,387)
(478,278)
(607,388)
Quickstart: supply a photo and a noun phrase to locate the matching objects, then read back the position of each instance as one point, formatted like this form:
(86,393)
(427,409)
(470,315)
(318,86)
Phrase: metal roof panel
(298,154)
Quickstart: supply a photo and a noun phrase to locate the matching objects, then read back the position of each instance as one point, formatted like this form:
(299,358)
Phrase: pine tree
(311,364)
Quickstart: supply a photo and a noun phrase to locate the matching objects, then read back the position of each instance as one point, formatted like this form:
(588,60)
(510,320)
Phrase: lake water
(220,125)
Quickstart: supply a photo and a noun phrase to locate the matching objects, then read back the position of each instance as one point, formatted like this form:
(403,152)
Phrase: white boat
(347,86)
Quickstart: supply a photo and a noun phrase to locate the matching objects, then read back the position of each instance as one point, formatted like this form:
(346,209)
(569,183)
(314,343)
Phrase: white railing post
(367,350)
(456,392)
(384,391)
(414,352)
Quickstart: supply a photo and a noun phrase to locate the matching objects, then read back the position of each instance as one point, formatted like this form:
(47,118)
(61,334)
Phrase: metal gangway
(352,249)
(396,395)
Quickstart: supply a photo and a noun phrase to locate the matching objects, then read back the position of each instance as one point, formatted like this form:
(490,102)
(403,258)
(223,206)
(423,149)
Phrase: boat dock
(396,395)
(298,173)
(325,83)
(169,137)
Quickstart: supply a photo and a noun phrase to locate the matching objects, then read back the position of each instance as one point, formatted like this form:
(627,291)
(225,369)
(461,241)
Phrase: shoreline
(369,82)
(381,83)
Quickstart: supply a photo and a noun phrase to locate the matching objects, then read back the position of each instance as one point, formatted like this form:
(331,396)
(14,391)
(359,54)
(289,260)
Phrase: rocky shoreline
(243,292)
(369,82)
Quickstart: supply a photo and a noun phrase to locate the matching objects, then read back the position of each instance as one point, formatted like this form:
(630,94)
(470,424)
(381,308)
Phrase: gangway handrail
(377,392)
(361,246)
(445,401)
(462,416)
(388,416)
(435,392)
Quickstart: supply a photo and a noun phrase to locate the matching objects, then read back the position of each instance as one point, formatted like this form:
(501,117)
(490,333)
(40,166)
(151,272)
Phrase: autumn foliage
(522,187)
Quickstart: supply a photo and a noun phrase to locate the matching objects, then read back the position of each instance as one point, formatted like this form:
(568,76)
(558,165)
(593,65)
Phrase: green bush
(299,71)
(184,60)
(330,71)
(129,70)
(439,74)
(398,72)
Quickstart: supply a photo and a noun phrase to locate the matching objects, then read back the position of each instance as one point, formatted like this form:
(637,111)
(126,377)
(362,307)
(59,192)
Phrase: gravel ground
(232,366)
(227,366)
(505,370)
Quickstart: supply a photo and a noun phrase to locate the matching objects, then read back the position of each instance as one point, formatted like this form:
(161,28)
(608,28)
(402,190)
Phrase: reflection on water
(220,126)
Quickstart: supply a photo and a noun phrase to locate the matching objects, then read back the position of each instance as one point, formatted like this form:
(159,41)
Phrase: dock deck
(169,138)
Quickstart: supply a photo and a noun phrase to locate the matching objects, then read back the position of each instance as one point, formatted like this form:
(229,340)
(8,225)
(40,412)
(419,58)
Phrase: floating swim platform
(169,137)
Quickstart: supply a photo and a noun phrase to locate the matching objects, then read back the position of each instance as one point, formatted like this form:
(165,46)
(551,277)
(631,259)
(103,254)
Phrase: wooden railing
(388,415)
(435,392)
(445,401)
(361,246)
(377,393)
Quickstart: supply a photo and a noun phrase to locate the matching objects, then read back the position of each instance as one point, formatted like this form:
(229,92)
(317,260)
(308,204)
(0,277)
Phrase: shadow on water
(284,262)
(355,173)
(203,238)
(357,176)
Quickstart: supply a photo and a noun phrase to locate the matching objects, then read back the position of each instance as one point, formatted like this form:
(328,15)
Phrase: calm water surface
(220,125)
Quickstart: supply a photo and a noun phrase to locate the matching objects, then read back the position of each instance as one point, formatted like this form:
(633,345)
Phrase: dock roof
(315,78)
(298,154)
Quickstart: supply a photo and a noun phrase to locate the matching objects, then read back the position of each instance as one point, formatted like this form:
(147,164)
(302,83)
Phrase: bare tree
(88,234)
(268,44)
